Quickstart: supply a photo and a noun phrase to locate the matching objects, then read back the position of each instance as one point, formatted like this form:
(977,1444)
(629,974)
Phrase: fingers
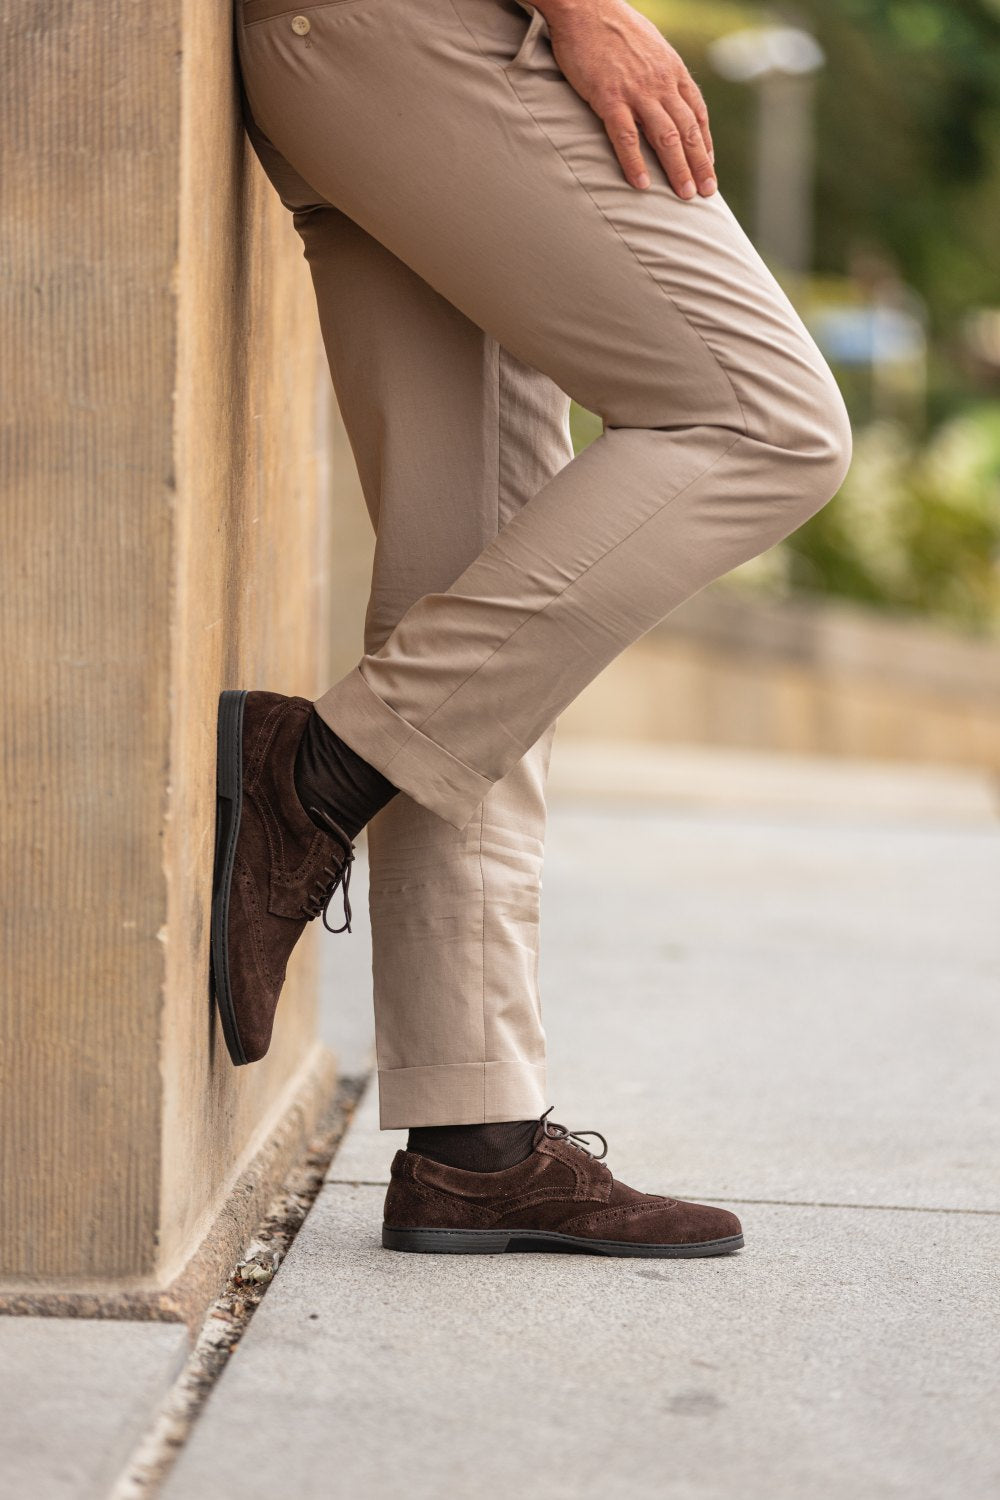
(692,96)
(665,139)
(639,85)
(674,132)
(623,134)
(678,132)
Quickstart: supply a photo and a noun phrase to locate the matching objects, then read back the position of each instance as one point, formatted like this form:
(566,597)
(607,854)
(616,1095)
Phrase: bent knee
(824,443)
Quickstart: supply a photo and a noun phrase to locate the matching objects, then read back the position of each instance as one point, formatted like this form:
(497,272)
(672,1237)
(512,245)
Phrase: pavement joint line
(878,1208)
(171,1424)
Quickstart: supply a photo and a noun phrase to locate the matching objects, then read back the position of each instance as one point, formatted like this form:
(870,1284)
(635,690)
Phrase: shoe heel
(228,811)
(446,1241)
(229,749)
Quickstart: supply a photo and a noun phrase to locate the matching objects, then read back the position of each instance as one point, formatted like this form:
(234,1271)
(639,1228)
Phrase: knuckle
(692,134)
(667,140)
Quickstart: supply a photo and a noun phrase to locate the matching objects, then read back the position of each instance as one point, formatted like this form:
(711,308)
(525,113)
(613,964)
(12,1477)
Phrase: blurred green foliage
(915,527)
(908,169)
(908,132)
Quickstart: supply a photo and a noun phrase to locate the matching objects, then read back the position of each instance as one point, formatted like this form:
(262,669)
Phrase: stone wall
(806,676)
(163,502)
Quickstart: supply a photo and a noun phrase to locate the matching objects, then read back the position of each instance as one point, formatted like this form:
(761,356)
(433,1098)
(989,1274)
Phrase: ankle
(475,1148)
(330,775)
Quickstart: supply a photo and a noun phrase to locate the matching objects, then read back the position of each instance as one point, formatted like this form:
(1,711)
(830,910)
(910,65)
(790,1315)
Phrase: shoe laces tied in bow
(330,877)
(572,1137)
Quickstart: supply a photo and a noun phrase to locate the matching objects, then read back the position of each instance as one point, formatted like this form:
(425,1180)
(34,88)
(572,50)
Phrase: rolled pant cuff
(411,761)
(460,1094)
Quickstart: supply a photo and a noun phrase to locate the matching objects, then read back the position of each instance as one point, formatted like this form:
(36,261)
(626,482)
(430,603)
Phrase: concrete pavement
(790,1008)
(75,1396)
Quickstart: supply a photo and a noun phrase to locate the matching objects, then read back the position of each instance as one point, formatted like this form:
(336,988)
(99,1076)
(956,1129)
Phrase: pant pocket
(536,27)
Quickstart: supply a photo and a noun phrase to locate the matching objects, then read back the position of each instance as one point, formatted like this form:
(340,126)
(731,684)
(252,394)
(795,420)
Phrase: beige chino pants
(478,258)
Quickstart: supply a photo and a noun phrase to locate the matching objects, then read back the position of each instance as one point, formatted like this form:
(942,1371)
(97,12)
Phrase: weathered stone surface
(813,676)
(161,495)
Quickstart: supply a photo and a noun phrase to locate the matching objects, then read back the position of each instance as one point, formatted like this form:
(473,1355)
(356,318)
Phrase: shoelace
(572,1137)
(330,877)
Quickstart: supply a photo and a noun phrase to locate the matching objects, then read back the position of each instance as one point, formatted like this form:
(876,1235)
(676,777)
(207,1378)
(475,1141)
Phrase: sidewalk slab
(753,1007)
(841,1354)
(365,1152)
(757,1006)
(75,1397)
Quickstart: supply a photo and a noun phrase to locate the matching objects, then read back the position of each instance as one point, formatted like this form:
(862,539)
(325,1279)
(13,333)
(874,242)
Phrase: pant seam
(482,805)
(415,730)
(631,250)
(482,881)
(505,73)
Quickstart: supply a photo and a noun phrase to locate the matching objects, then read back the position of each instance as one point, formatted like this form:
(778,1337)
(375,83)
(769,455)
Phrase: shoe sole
(228,811)
(496,1241)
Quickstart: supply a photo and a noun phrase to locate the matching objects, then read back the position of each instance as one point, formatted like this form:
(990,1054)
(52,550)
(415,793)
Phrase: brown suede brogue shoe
(275,870)
(561,1196)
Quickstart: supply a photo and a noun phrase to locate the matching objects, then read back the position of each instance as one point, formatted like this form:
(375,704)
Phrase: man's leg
(474,161)
(451,435)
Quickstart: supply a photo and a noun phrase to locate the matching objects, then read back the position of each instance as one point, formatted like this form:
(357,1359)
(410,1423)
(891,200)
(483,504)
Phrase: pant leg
(451,435)
(447,131)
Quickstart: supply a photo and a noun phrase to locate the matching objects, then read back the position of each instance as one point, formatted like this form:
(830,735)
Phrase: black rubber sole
(228,810)
(497,1241)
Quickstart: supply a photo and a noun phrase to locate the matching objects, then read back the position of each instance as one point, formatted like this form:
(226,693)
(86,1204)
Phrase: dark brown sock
(475,1148)
(332,776)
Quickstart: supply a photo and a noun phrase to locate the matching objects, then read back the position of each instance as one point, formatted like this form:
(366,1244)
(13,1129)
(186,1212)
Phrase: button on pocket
(300,25)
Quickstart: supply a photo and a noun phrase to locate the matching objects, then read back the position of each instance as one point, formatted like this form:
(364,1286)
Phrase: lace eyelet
(323,891)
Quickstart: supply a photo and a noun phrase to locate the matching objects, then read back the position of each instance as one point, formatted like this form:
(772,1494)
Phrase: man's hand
(633,79)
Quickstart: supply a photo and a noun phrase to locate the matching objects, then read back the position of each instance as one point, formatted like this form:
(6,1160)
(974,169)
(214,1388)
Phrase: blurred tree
(908,122)
(909,126)
(907,181)
(907,198)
